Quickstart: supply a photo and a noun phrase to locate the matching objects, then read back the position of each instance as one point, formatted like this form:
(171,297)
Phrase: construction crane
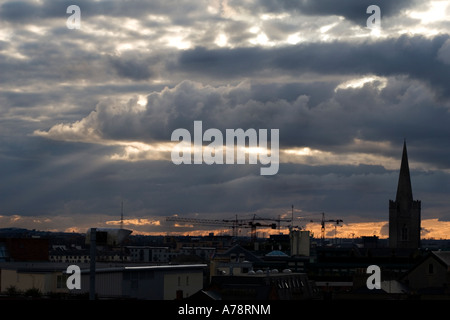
(278,221)
(323,222)
(254,224)
(233,224)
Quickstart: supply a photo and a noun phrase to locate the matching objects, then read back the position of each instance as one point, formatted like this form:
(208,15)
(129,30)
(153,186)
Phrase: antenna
(292,219)
(292,216)
(121,217)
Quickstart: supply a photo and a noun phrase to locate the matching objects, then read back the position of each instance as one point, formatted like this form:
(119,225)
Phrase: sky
(87,111)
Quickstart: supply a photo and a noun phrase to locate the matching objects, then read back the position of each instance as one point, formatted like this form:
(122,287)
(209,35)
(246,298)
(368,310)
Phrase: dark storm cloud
(51,62)
(35,187)
(131,68)
(186,12)
(414,56)
(70,179)
(182,13)
(19,11)
(331,120)
(351,10)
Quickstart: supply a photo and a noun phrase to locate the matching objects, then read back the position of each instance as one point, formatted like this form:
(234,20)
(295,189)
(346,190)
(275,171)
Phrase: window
(187,280)
(430,268)
(134,280)
(61,281)
(404,235)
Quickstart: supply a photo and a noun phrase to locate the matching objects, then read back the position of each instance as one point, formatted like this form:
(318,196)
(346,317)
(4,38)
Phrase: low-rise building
(61,254)
(263,285)
(24,249)
(165,282)
(205,253)
(234,261)
(45,277)
(431,276)
(150,254)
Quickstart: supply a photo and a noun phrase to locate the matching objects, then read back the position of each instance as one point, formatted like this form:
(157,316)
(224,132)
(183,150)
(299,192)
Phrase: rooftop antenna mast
(121,216)
(292,218)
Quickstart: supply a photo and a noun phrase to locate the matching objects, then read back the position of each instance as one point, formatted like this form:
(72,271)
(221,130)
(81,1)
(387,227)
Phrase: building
(24,249)
(150,254)
(143,282)
(60,254)
(300,243)
(431,276)
(44,277)
(404,212)
(263,285)
(204,253)
(234,261)
(166,254)
(165,282)
(339,271)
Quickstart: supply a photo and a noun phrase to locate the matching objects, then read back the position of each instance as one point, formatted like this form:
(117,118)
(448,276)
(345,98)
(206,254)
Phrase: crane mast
(322,226)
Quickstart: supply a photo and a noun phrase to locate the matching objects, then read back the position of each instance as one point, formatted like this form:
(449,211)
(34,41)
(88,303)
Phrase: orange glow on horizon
(431,229)
(155,226)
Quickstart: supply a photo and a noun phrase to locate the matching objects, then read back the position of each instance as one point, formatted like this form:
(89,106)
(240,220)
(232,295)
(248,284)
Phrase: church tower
(404,212)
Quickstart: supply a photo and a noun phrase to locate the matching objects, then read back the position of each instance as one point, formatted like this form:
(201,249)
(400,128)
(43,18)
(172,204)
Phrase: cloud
(444,52)
(354,115)
(182,14)
(411,56)
(133,222)
(131,68)
(351,10)
(339,153)
(87,115)
(18,11)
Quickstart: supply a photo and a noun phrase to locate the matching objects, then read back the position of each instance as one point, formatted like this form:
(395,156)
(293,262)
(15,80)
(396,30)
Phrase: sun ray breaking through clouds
(87,114)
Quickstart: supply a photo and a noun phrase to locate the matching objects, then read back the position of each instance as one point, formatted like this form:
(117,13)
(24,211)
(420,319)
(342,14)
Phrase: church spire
(404,212)
(404,189)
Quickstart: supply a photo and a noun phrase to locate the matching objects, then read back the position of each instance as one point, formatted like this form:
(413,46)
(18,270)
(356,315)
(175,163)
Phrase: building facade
(165,282)
(263,285)
(430,276)
(46,277)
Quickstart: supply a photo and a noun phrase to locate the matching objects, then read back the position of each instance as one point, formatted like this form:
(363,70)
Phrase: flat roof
(147,267)
(85,267)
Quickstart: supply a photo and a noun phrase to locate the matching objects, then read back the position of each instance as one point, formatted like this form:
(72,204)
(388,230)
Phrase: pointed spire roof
(404,189)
